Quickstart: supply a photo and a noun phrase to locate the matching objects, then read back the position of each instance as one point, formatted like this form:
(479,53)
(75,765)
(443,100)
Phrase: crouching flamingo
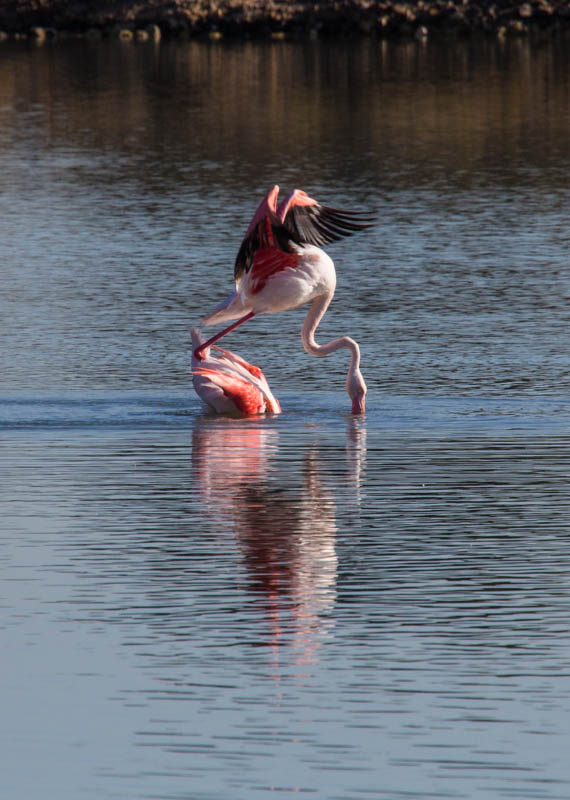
(227,384)
(280,266)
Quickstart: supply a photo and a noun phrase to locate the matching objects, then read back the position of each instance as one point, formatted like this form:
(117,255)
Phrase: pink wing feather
(266,263)
(248,399)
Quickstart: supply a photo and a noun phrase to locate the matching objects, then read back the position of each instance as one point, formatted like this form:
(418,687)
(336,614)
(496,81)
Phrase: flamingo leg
(198,352)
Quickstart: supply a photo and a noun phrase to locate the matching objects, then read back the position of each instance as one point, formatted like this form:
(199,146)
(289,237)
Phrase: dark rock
(525,11)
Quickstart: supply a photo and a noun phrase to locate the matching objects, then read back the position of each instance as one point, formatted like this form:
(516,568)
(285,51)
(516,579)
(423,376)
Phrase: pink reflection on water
(282,512)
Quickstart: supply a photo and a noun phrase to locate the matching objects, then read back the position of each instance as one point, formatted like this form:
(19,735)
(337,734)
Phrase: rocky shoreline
(280,19)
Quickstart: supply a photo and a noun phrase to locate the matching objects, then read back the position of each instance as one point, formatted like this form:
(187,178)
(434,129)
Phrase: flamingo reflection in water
(284,523)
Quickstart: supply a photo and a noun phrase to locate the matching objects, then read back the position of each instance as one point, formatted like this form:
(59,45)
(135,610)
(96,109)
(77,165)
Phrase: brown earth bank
(280,19)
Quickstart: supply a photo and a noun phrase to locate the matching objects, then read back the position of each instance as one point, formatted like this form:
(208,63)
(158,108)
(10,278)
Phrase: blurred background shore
(154,19)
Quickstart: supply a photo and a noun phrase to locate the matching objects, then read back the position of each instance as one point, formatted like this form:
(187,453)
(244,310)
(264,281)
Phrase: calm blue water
(203,608)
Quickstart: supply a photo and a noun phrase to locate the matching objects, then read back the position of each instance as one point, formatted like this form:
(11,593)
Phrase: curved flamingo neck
(355,385)
(314,316)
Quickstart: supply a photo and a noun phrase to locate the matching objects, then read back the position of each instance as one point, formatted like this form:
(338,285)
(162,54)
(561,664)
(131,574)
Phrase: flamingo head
(356,389)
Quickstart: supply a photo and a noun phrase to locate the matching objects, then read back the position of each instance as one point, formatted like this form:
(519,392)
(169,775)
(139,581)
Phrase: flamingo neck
(314,316)
(312,321)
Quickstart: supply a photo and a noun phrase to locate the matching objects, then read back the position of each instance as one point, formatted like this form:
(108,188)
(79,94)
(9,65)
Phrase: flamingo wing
(268,262)
(267,235)
(246,397)
(309,222)
(268,243)
(257,377)
(255,371)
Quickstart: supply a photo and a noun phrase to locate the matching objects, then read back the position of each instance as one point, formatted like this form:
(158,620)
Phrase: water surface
(310,604)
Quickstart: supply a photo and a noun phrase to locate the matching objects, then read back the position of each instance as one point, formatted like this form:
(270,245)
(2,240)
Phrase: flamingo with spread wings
(280,266)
